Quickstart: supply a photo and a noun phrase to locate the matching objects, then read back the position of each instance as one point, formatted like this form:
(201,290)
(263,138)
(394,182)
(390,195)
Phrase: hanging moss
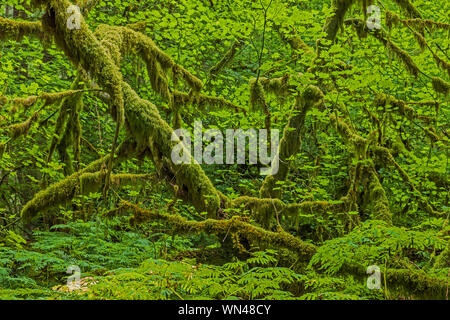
(16,30)
(20,129)
(333,23)
(65,190)
(291,140)
(293,39)
(76,130)
(158,62)
(355,141)
(421,24)
(234,225)
(226,59)
(420,40)
(2,148)
(67,130)
(440,85)
(441,63)
(87,5)
(386,158)
(277,86)
(399,106)
(3,100)
(93,181)
(392,19)
(297,44)
(203,101)
(257,95)
(48,98)
(376,199)
(443,260)
(84,49)
(268,212)
(146,125)
(390,46)
(264,211)
(408,8)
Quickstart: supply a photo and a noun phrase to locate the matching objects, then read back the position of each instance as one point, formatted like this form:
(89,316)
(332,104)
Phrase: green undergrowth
(125,262)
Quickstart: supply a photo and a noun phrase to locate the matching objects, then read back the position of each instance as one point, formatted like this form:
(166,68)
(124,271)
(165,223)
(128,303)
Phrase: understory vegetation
(91,92)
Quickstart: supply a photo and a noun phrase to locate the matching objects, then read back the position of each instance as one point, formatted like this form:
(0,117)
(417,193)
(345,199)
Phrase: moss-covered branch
(234,225)
(158,62)
(291,140)
(65,190)
(47,98)
(375,201)
(293,40)
(266,211)
(203,101)
(16,30)
(85,50)
(386,158)
(334,22)
(226,59)
(380,35)
(408,8)
(145,124)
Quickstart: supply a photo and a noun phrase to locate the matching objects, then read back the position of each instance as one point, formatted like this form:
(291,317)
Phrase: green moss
(390,46)
(84,49)
(268,212)
(264,211)
(377,203)
(2,148)
(333,23)
(408,8)
(257,95)
(226,59)
(20,129)
(386,158)
(235,225)
(421,24)
(159,64)
(149,129)
(443,260)
(355,141)
(392,19)
(203,101)
(67,130)
(441,86)
(16,30)
(291,140)
(417,282)
(63,191)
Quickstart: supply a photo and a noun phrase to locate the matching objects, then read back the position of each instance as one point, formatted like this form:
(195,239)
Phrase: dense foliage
(86,178)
